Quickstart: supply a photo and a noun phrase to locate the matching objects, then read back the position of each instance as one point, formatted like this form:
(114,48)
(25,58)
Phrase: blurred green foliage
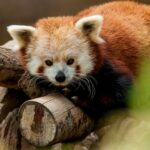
(139,98)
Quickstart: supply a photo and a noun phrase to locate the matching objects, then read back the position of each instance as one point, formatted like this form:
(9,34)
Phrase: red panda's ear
(21,34)
(91,26)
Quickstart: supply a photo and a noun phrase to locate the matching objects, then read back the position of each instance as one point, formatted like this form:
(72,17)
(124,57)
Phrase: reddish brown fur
(126,30)
(54,23)
(22,57)
(40,69)
(78,69)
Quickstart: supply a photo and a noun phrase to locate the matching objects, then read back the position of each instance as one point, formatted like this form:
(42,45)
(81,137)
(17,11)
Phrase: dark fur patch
(40,69)
(88,27)
(22,55)
(25,35)
(78,69)
(111,91)
(114,84)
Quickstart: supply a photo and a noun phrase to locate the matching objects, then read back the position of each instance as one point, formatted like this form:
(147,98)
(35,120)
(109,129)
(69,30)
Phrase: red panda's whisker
(91,87)
(86,85)
(33,81)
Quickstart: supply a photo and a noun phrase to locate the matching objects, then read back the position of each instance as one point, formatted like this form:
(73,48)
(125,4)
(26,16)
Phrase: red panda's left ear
(91,26)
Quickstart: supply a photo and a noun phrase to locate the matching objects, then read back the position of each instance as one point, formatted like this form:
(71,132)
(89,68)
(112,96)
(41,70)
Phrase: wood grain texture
(52,119)
(10,137)
(10,68)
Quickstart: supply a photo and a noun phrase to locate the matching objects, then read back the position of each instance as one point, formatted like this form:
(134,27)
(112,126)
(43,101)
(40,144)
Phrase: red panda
(96,53)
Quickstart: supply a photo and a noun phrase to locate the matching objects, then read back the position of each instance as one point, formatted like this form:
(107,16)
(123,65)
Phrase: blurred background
(28,11)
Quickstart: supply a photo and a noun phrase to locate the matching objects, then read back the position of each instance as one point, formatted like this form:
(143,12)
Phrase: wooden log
(52,119)
(10,68)
(10,138)
(27,84)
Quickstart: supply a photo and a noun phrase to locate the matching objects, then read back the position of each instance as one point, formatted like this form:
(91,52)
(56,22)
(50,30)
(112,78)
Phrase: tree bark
(10,69)
(52,119)
(10,137)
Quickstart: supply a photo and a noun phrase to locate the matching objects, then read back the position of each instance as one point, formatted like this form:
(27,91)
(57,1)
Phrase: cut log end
(52,118)
(37,124)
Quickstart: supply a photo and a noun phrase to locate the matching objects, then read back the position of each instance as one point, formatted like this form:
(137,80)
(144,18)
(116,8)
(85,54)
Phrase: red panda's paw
(65,91)
(75,97)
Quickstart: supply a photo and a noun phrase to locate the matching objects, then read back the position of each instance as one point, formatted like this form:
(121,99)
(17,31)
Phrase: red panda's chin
(61,84)
(58,84)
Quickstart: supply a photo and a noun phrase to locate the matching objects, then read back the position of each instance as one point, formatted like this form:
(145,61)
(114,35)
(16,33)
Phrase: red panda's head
(58,48)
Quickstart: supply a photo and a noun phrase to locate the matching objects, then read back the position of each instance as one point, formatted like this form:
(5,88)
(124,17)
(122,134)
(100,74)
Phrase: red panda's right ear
(21,34)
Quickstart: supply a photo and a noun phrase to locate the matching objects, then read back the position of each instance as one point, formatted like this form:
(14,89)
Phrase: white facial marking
(52,71)
(86,62)
(34,64)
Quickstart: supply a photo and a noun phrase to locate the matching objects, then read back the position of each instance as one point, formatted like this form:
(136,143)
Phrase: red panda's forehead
(58,27)
(62,39)
(59,37)
(50,24)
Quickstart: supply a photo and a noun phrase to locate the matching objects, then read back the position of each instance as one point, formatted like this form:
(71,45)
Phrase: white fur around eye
(86,63)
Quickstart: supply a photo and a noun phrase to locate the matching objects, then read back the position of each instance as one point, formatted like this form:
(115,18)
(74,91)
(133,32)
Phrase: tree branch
(10,68)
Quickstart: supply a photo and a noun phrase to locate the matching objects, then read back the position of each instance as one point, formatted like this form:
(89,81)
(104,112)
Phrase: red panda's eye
(70,61)
(48,62)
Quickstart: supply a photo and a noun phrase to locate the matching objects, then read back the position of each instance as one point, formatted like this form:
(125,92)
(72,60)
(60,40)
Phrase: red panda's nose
(60,77)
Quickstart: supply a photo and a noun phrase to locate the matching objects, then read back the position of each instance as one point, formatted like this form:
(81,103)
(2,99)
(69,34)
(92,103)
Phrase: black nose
(60,77)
